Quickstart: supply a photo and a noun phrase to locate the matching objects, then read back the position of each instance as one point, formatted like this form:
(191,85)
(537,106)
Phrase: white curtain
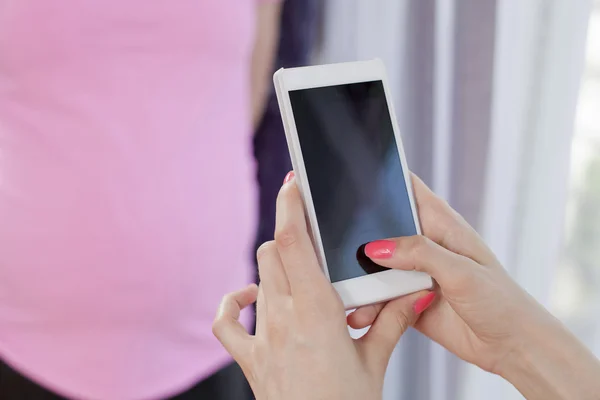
(485,92)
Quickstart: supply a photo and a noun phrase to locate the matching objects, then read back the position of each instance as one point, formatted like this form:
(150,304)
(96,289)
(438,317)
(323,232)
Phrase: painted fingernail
(380,249)
(424,302)
(288,177)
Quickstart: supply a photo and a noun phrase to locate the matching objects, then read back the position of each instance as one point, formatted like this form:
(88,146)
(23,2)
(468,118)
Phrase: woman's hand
(482,315)
(302,348)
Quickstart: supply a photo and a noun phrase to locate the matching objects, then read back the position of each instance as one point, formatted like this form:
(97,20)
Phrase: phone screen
(354,172)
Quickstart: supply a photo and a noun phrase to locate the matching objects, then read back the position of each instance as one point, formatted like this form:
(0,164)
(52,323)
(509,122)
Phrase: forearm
(554,365)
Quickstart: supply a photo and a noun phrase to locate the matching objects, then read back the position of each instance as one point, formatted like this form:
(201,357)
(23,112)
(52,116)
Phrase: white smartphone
(350,168)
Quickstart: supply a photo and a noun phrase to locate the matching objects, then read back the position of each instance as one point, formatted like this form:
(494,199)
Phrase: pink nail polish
(288,177)
(381,249)
(424,302)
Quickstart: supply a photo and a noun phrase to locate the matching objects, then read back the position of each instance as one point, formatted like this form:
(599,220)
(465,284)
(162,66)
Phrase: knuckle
(419,247)
(227,299)
(217,327)
(286,236)
(265,249)
(403,321)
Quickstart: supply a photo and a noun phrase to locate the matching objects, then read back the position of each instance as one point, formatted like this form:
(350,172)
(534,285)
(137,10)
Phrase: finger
(294,244)
(273,280)
(227,327)
(443,225)
(419,253)
(440,319)
(393,320)
(364,316)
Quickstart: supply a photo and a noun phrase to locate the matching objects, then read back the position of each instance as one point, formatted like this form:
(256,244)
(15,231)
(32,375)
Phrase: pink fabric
(126,189)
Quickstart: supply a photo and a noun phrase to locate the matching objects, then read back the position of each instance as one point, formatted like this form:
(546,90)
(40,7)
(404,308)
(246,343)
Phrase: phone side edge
(400,147)
(381,287)
(295,151)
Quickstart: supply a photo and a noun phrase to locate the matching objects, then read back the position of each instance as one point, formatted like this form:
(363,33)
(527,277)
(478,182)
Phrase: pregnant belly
(102,250)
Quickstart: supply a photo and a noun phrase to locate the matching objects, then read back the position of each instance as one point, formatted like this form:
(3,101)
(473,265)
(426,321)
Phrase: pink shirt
(126,189)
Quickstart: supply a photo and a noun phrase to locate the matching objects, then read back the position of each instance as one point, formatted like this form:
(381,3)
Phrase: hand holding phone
(302,348)
(351,171)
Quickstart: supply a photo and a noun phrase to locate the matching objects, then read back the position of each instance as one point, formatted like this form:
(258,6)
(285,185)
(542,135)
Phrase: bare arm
(263,56)
(554,366)
(483,316)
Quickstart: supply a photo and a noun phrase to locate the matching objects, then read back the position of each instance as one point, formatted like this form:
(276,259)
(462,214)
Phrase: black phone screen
(354,172)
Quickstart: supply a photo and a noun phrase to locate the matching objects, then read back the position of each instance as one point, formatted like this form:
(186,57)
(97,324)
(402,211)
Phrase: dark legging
(226,384)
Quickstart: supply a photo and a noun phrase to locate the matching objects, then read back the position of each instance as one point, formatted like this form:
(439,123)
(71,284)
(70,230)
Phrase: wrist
(527,367)
(550,363)
(534,328)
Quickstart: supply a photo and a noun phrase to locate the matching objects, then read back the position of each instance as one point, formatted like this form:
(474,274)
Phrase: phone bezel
(368,289)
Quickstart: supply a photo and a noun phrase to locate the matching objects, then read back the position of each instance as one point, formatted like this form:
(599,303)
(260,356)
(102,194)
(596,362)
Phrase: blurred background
(498,103)
(499,106)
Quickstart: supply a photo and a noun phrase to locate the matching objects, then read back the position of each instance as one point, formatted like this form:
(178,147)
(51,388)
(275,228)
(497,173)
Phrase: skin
(301,323)
(302,348)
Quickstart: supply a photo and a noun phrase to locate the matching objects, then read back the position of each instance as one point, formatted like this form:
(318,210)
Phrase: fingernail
(288,177)
(424,302)
(380,249)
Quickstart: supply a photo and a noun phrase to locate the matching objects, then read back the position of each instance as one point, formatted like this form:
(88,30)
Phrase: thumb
(422,254)
(393,320)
